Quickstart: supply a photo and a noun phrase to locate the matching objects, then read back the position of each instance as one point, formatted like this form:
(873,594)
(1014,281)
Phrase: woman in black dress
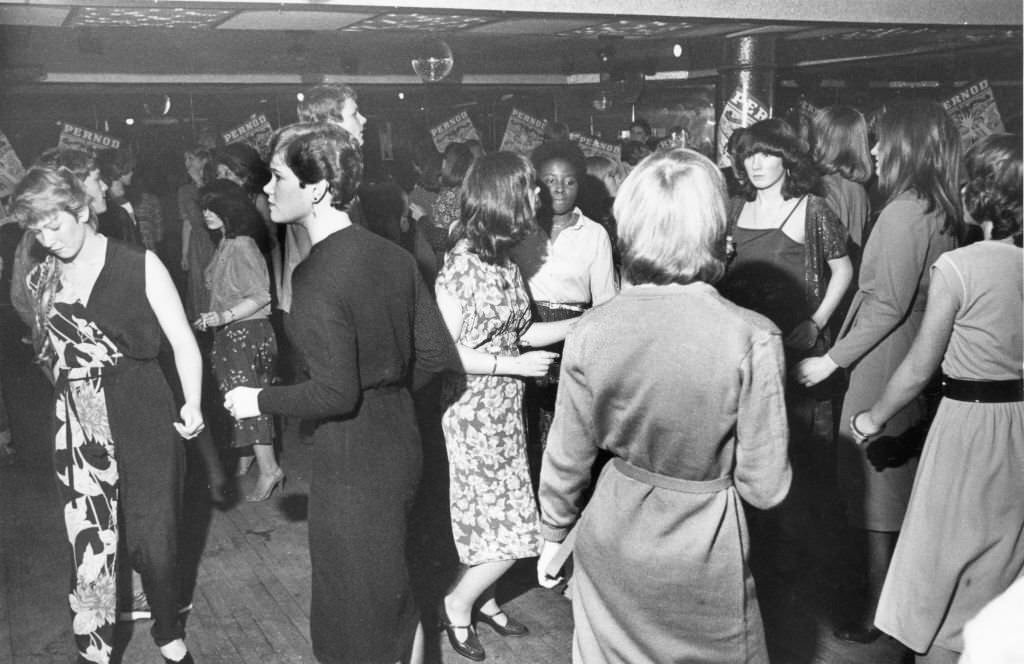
(101,308)
(361,317)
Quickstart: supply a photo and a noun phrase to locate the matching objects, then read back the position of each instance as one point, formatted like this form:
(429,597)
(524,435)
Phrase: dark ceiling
(219,59)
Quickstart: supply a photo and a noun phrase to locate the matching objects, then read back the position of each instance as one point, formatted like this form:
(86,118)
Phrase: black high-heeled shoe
(470,648)
(512,627)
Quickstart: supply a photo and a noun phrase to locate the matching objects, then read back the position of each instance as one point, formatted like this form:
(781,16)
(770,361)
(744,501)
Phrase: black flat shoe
(512,627)
(470,648)
(857,633)
(187,659)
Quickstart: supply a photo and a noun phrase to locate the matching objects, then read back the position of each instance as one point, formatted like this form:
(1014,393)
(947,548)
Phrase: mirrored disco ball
(432,60)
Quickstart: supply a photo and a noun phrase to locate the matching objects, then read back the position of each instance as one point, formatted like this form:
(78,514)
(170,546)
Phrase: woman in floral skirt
(485,306)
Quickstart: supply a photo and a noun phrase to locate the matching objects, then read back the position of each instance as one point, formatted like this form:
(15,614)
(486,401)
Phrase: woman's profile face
(97,190)
(62,235)
(878,161)
(225,173)
(561,184)
(352,120)
(212,220)
(764,170)
(116,190)
(289,201)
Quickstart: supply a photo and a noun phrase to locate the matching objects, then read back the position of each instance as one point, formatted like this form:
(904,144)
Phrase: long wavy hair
(919,152)
(245,162)
(840,136)
(457,160)
(39,197)
(497,205)
(240,216)
(993,189)
(777,138)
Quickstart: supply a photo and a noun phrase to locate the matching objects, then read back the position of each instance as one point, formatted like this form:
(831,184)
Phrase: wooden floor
(250,571)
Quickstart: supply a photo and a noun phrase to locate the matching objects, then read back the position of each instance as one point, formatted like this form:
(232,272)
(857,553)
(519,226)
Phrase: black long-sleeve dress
(361,318)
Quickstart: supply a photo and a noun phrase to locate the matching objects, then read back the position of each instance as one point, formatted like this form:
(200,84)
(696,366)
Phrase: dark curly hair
(565,150)
(777,138)
(633,152)
(497,205)
(458,157)
(245,162)
(993,189)
(113,163)
(240,216)
(317,151)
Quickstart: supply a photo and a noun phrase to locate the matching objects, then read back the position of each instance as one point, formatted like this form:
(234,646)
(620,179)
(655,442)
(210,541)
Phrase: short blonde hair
(671,220)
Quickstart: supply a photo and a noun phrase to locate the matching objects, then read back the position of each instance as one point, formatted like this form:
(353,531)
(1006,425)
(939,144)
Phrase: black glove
(895,451)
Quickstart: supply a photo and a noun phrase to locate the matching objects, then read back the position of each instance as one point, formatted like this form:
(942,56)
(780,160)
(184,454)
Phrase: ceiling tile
(146,17)
(418,21)
(291,20)
(628,27)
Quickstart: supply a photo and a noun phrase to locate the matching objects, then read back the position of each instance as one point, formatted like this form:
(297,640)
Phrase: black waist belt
(983,391)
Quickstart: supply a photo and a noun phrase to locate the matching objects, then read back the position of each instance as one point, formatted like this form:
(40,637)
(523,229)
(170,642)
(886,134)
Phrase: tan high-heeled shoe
(265,487)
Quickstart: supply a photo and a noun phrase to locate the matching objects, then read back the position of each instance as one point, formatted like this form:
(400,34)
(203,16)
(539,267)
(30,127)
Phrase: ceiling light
(129,121)
(677,50)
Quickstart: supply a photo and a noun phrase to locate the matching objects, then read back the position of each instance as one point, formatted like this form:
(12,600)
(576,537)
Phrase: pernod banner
(256,131)
(456,129)
(522,133)
(80,138)
(11,169)
(974,111)
(593,147)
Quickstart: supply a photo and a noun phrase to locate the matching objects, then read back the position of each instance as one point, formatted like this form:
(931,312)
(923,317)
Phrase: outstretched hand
(813,370)
(243,402)
(535,363)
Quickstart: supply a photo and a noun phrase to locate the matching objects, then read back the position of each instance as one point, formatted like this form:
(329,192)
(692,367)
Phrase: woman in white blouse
(566,262)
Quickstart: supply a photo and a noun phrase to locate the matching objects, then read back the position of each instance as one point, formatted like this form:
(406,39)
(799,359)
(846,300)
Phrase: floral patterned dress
(493,509)
(87,471)
(118,460)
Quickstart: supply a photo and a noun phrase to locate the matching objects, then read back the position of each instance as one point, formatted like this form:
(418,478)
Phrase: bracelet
(857,432)
(494,365)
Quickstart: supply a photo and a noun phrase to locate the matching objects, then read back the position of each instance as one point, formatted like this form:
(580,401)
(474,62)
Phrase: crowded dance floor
(361,334)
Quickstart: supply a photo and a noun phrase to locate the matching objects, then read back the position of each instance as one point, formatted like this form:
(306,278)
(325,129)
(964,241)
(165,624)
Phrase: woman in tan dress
(918,157)
(685,390)
(962,543)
